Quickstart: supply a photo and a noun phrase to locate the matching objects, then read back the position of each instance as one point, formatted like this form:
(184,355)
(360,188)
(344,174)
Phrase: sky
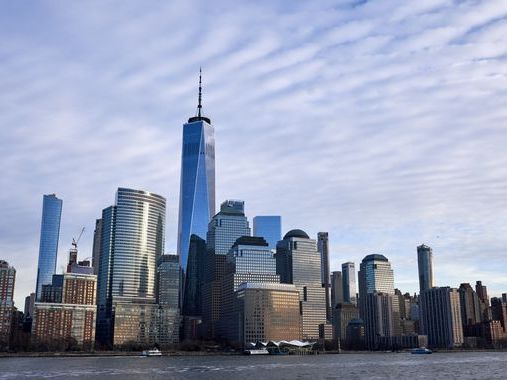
(381,122)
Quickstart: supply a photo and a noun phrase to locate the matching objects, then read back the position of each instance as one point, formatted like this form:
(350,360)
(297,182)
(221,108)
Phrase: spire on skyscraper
(199,104)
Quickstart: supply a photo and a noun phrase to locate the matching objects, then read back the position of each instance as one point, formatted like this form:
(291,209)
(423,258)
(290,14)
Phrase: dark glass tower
(197,183)
(49,235)
(269,227)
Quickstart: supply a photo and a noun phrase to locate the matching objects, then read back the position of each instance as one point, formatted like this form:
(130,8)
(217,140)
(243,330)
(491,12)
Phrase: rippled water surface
(346,366)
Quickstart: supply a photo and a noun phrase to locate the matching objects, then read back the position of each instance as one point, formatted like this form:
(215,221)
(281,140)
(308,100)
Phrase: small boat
(261,351)
(153,352)
(421,350)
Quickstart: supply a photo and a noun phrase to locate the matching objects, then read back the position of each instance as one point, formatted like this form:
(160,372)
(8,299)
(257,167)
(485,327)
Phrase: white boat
(421,350)
(262,351)
(154,352)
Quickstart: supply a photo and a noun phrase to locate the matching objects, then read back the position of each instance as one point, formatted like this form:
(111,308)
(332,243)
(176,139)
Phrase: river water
(467,365)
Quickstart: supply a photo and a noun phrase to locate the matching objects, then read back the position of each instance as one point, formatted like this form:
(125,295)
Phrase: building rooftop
(375,257)
(296,233)
(251,240)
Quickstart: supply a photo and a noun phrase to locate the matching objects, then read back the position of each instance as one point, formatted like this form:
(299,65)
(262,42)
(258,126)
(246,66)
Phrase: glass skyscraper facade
(269,227)
(425,266)
(49,235)
(298,262)
(132,240)
(323,247)
(224,229)
(349,282)
(249,260)
(197,183)
(376,286)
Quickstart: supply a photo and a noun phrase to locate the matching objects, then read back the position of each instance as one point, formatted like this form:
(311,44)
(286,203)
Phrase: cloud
(380,122)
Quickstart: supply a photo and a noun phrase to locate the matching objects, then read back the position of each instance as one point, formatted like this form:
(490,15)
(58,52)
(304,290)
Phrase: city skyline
(390,177)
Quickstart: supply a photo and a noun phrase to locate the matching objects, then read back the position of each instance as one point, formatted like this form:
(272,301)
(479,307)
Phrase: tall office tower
(192,303)
(337,295)
(376,276)
(132,240)
(73,315)
(378,317)
(349,282)
(97,237)
(7,309)
(249,260)
(482,293)
(169,316)
(49,234)
(499,311)
(441,315)
(298,262)
(469,303)
(323,248)
(168,281)
(224,229)
(268,311)
(197,182)
(425,265)
(268,227)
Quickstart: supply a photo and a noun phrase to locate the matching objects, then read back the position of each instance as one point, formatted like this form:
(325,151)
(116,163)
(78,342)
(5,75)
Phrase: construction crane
(73,250)
(74,241)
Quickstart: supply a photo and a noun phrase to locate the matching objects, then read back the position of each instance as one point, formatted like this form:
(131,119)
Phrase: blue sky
(382,122)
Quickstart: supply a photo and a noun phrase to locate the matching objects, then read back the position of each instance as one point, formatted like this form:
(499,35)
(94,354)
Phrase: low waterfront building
(268,311)
(72,320)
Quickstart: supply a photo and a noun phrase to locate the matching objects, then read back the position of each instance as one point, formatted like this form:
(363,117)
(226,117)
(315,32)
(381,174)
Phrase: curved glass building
(132,239)
(138,242)
(49,235)
(197,182)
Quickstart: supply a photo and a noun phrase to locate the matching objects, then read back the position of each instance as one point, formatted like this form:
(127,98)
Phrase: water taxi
(421,350)
(153,352)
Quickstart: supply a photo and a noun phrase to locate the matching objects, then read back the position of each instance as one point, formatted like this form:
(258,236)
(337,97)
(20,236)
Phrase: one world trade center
(197,182)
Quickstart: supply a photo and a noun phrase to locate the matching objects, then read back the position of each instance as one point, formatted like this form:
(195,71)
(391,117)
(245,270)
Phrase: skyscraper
(97,236)
(441,317)
(224,229)
(268,227)
(323,247)
(425,265)
(249,260)
(49,235)
(376,296)
(169,316)
(197,182)
(337,296)
(298,262)
(349,282)
(132,240)
(470,308)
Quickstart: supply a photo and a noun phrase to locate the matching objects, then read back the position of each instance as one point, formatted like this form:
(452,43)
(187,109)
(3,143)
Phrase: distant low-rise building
(72,320)
(7,309)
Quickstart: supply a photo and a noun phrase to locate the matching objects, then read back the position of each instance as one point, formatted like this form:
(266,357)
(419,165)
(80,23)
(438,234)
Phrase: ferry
(261,351)
(153,352)
(421,350)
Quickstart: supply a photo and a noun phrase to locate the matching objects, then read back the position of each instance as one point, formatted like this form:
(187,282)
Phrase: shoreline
(201,353)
